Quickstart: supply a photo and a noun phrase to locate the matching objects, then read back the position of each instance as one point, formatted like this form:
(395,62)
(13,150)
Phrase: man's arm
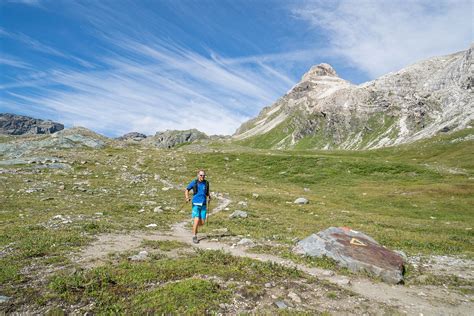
(186,195)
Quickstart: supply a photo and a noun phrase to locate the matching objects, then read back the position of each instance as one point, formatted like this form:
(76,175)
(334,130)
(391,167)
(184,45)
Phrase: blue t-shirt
(200,196)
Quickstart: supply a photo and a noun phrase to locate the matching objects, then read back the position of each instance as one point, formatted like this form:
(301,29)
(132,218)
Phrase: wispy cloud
(154,87)
(379,36)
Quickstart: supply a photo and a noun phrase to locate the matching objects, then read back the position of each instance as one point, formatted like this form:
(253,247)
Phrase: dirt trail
(412,300)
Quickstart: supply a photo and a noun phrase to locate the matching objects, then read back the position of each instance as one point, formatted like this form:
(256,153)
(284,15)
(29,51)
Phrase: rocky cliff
(326,112)
(12,124)
(172,138)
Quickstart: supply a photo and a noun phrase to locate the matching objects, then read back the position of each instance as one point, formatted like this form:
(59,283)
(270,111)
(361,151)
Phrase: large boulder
(12,124)
(355,251)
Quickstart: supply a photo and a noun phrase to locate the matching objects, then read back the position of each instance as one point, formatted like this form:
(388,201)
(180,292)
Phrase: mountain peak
(318,71)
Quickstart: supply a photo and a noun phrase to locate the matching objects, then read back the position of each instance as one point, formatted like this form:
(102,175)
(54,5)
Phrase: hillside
(324,111)
(71,219)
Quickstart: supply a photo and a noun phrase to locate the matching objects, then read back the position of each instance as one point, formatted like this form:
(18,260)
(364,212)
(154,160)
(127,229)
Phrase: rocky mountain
(11,124)
(134,136)
(76,137)
(326,112)
(172,138)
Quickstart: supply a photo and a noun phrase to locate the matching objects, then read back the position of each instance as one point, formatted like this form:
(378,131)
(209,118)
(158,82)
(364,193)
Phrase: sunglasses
(202,175)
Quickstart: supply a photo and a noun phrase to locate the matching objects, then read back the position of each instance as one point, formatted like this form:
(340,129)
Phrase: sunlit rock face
(326,112)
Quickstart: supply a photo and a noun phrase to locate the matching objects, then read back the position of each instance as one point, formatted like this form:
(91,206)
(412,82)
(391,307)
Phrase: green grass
(170,285)
(164,245)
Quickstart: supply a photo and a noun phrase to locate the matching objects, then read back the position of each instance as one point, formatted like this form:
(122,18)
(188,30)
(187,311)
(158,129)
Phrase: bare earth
(411,300)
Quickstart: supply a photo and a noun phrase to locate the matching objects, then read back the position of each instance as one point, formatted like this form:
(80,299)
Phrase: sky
(147,66)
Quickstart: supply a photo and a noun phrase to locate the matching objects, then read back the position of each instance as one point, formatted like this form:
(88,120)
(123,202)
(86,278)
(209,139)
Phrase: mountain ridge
(323,111)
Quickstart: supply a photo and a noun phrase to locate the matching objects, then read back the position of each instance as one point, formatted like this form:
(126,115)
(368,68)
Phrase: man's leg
(197,222)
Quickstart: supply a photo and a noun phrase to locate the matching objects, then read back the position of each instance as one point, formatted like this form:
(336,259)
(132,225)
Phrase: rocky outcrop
(76,137)
(11,124)
(172,138)
(132,136)
(326,112)
(355,251)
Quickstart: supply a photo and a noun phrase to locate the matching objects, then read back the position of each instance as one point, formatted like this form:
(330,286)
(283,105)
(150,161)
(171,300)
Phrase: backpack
(195,187)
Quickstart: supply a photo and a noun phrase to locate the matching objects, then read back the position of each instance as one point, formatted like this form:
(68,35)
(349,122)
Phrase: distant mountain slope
(326,112)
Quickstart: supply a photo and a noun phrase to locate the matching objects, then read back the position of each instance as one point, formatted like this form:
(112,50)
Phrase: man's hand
(188,199)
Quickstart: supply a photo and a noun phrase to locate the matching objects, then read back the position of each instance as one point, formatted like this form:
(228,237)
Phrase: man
(201,199)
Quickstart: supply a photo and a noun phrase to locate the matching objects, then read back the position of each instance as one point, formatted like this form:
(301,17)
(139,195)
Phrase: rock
(402,254)
(47,199)
(280,304)
(142,255)
(132,136)
(301,200)
(268,285)
(246,242)
(157,209)
(355,251)
(238,214)
(294,297)
(255,195)
(151,225)
(76,137)
(141,210)
(12,124)
(342,281)
(4,299)
(172,138)
(243,203)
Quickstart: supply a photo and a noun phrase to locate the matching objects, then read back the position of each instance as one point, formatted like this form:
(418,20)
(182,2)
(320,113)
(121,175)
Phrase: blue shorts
(199,211)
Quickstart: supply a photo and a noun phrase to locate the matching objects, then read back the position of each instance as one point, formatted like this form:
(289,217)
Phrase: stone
(238,214)
(246,242)
(142,255)
(4,299)
(355,251)
(281,304)
(255,195)
(301,200)
(242,203)
(151,225)
(141,210)
(157,209)
(294,297)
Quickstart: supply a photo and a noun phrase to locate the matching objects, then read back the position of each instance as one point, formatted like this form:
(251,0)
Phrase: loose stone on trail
(355,251)
(151,225)
(246,242)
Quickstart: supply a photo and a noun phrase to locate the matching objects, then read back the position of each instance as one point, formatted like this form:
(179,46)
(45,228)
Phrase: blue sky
(147,66)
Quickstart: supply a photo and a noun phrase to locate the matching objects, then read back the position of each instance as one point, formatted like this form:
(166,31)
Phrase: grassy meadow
(416,198)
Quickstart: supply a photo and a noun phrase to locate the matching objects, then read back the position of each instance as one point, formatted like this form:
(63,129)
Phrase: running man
(201,199)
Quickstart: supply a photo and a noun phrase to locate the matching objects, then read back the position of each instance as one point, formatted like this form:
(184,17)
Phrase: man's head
(201,175)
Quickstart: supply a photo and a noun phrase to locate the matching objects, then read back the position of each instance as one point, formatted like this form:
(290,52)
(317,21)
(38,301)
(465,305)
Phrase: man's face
(201,176)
